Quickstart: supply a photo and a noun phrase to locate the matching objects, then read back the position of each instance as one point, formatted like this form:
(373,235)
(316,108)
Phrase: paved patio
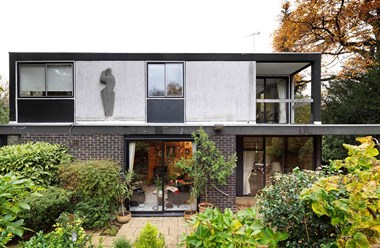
(170,227)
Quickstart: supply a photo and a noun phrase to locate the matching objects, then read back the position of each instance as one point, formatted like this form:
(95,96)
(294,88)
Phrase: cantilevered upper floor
(157,89)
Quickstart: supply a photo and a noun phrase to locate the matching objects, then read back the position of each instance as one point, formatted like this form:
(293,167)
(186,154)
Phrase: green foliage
(124,189)
(94,213)
(38,161)
(351,200)
(332,148)
(13,190)
(350,101)
(121,242)
(94,184)
(92,179)
(4,104)
(67,233)
(281,206)
(46,209)
(150,238)
(207,165)
(244,229)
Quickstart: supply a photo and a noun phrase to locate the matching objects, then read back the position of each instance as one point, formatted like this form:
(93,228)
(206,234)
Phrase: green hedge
(281,207)
(94,185)
(45,209)
(38,161)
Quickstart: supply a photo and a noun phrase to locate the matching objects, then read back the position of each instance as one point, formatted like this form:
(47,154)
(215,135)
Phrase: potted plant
(124,191)
(206,167)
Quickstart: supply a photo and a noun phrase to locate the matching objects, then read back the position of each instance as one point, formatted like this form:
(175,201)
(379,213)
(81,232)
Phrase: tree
(336,28)
(350,100)
(4,106)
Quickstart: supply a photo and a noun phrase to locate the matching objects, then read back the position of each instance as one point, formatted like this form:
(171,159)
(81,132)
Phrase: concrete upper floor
(149,89)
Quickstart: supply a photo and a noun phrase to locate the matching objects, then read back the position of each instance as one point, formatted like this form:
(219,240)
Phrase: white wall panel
(220,91)
(129,90)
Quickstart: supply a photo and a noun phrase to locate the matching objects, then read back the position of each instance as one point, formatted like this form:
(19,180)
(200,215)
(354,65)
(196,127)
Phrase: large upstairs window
(270,93)
(46,80)
(276,102)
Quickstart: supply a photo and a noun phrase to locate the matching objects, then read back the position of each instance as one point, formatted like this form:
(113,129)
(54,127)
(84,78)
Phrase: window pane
(300,153)
(156,80)
(32,80)
(59,80)
(174,80)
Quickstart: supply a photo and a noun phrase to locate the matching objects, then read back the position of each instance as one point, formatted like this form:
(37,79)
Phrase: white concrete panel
(219,91)
(129,90)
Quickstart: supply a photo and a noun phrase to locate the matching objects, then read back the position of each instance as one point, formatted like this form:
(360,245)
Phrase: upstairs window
(272,100)
(165,80)
(46,80)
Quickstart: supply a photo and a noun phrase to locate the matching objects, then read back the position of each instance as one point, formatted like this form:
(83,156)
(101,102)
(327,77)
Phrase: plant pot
(204,205)
(188,214)
(124,218)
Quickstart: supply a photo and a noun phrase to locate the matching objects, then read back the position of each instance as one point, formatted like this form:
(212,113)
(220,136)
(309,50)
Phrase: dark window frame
(166,95)
(45,92)
(288,95)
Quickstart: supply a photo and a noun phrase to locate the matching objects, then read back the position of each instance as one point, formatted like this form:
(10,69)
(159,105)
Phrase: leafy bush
(281,206)
(92,179)
(150,238)
(46,209)
(351,201)
(94,213)
(94,185)
(121,242)
(67,233)
(13,190)
(216,229)
(38,161)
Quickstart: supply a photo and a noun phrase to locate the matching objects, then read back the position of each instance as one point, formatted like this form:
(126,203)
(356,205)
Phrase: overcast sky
(135,26)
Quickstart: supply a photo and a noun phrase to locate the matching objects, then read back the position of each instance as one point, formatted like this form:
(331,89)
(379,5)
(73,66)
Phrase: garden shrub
(94,189)
(13,191)
(46,209)
(221,230)
(38,161)
(94,213)
(67,233)
(150,238)
(351,200)
(281,206)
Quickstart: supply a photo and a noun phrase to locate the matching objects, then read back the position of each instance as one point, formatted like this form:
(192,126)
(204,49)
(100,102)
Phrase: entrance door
(159,186)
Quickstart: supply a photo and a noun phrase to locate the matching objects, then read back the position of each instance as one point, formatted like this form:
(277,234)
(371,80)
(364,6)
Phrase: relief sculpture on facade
(107,94)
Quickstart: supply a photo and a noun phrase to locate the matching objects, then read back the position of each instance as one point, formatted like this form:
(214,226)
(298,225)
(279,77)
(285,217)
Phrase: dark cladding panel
(165,111)
(45,110)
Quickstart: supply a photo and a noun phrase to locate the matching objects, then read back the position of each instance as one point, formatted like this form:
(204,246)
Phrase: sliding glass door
(159,186)
(260,158)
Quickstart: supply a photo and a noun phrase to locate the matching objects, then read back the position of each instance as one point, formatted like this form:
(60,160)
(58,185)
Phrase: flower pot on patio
(204,205)
(124,218)
(188,214)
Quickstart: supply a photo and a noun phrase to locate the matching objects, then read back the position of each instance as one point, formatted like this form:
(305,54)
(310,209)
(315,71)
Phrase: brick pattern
(227,145)
(85,147)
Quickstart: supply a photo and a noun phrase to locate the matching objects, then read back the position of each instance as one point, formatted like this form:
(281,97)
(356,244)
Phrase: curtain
(248,161)
(281,87)
(132,148)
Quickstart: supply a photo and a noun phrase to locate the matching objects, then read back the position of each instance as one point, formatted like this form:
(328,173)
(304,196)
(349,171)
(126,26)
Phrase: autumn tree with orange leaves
(346,30)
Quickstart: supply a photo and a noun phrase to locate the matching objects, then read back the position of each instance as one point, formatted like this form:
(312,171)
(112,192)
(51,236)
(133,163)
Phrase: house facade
(140,110)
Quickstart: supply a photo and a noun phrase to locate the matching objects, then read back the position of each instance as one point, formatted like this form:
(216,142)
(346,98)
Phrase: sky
(138,26)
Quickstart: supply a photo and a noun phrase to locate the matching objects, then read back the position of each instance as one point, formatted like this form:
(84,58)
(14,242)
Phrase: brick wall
(84,147)
(227,145)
